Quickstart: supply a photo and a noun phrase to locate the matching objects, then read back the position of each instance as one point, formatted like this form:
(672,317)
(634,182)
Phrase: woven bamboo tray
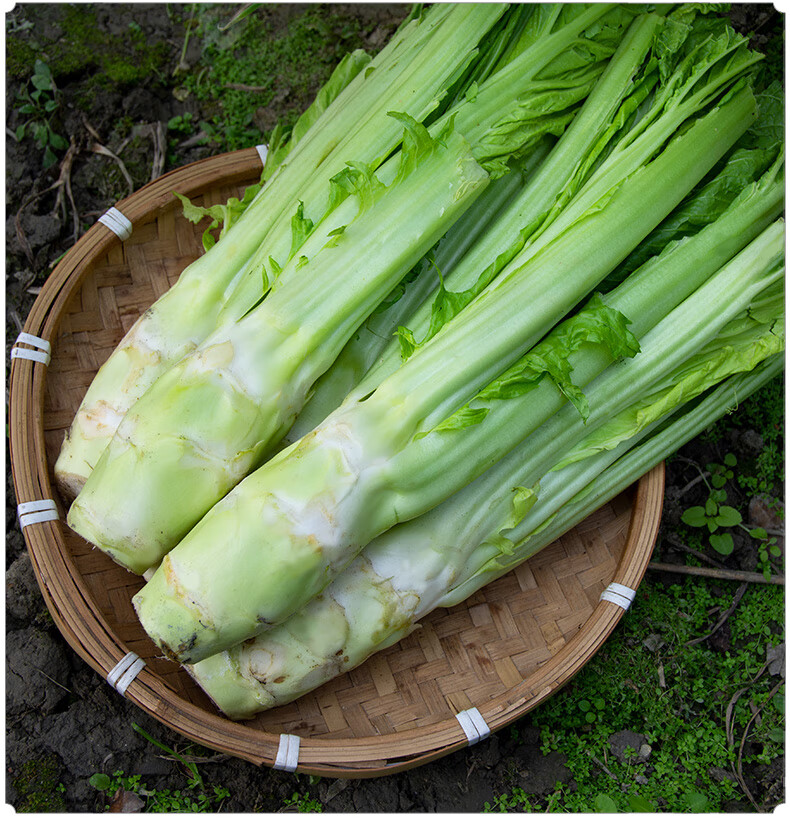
(503,651)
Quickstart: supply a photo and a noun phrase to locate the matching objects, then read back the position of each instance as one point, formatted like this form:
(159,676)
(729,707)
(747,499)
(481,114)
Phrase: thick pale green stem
(299,519)
(442,558)
(210,419)
(410,74)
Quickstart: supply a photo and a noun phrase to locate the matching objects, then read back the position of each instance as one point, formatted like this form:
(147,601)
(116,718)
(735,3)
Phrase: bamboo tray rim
(95,641)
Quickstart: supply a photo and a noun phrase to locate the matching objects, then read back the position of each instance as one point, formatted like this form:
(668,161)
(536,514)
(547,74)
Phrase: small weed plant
(718,517)
(195,797)
(304,802)
(38,102)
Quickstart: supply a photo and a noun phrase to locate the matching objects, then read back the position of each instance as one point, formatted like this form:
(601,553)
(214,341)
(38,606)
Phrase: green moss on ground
(38,786)
(284,56)
(69,39)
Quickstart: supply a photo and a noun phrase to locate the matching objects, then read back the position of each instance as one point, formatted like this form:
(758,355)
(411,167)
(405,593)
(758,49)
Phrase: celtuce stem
(214,415)
(363,612)
(315,506)
(409,74)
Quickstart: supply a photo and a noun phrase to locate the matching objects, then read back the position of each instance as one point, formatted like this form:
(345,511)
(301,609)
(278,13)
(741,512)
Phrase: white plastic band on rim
(125,672)
(117,222)
(473,724)
(619,594)
(42,354)
(287,753)
(41,510)
(263,153)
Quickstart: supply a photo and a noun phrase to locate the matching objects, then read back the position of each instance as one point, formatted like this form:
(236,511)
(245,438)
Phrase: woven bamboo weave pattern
(504,650)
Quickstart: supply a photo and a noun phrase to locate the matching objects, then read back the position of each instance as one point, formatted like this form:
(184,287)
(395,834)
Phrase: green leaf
(301,227)
(207,238)
(695,802)
(57,141)
(776,735)
(722,543)
(40,133)
(274,267)
(728,516)
(408,344)
(694,516)
(523,501)
(100,782)
(718,480)
(192,212)
(596,323)
(639,804)
(605,804)
(20,131)
(502,543)
(42,82)
(417,144)
(41,68)
(463,418)
(730,460)
(758,533)
(711,507)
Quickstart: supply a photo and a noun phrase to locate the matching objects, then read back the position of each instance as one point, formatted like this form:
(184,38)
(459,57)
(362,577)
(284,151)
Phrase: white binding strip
(263,153)
(619,594)
(125,672)
(43,354)
(117,222)
(41,510)
(27,354)
(473,724)
(287,753)
(35,341)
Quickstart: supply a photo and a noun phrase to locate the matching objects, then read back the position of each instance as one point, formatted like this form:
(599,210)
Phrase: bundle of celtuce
(214,415)
(562,272)
(426,60)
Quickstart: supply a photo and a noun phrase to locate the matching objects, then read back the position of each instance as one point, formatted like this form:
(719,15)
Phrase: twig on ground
(692,483)
(678,543)
(729,725)
(156,132)
(103,150)
(57,683)
(603,768)
(64,186)
(246,88)
(723,619)
(193,141)
(160,144)
(63,182)
(719,573)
